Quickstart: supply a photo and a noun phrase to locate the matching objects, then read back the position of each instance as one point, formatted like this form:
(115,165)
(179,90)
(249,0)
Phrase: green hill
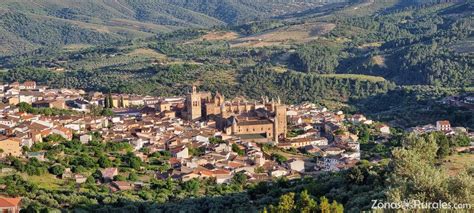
(27,25)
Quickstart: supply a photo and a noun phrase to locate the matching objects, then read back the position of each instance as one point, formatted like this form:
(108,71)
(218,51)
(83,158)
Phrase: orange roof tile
(9,202)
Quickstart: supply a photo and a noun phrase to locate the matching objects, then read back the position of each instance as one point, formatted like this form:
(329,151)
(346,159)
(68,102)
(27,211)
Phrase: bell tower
(280,126)
(193,105)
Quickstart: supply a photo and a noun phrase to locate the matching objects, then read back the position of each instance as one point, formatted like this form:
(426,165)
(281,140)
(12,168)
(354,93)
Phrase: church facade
(262,121)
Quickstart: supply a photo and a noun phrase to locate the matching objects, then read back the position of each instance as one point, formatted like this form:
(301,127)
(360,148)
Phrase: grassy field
(456,163)
(46,181)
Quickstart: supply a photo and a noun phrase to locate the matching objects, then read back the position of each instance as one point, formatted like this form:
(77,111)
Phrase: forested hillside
(410,46)
(27,25)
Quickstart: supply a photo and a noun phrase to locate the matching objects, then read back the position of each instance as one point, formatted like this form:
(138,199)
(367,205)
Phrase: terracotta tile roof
(203,172)
(220,172)
(233,164)
(443,122)
(9,202)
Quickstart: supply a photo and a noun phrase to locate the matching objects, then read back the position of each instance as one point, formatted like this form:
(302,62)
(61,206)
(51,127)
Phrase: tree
(324,206)
(134,162)
(107,112)
(133,176)
(104,161)
(279,158)
(286,203)
(461,139)
(443,146)
(121,102)
(57,169)
(306,204)
(236,148)
(97,174)
(111,101)
(95,109)
(336,207)
(192,186)
(106,102)
(90,180)
(259,169)
(239,178)
(356,175)
(215,140)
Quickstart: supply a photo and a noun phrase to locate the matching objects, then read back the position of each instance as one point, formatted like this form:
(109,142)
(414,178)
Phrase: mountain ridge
(105,21)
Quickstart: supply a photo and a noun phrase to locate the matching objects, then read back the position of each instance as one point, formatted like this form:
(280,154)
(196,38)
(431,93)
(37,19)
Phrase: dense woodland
(26,26)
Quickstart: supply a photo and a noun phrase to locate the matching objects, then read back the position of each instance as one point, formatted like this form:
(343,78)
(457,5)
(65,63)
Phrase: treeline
(296,87)
(291,86)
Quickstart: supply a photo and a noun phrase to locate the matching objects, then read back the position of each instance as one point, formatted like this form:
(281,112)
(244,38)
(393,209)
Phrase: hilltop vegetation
(33,24)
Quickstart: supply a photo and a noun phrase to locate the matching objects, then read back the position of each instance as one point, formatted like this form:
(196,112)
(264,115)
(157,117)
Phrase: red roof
(174,161)
(220,172)
(444,122)
(9,202)
(234,164)
(203,172)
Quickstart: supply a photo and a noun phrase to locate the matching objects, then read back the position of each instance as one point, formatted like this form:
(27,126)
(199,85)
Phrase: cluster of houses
(441,126)
(64,98)
(324,134)
(445,127)
(157,126)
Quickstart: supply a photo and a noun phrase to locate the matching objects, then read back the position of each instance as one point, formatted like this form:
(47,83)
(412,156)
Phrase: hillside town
(175,124)
(203,135)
